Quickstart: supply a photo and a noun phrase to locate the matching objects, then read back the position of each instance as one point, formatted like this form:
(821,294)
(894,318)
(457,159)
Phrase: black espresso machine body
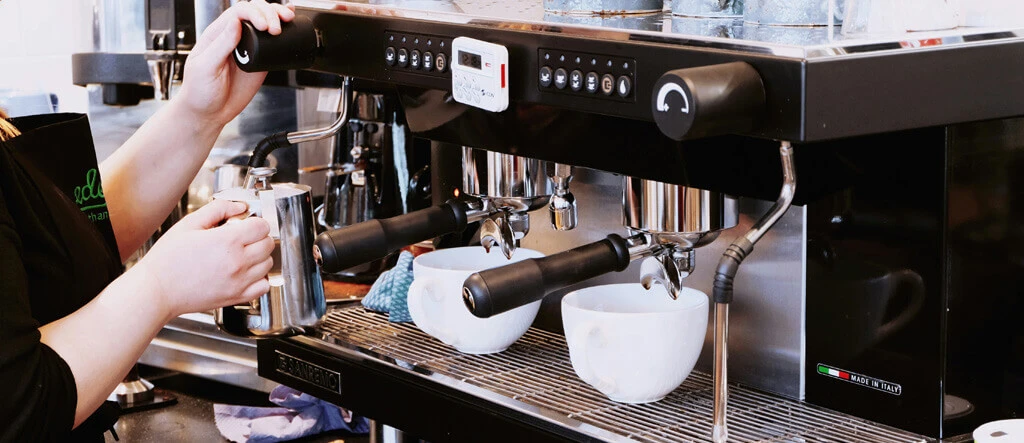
(908,274)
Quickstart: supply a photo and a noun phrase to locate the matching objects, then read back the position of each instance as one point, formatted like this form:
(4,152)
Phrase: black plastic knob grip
(353,245)
(295,47)
(493,291)
(709,100)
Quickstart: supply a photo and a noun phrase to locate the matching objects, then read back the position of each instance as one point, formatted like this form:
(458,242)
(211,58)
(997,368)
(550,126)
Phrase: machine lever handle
(295,48)
(493,291)
(343,248)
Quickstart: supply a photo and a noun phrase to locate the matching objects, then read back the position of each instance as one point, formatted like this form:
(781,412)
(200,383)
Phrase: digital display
(469,59)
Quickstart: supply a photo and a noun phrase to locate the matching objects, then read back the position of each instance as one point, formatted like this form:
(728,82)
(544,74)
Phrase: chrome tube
(719,432)
(728,267)
(344,104)
(785,196)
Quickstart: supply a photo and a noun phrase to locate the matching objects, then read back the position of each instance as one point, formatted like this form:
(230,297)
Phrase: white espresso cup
(632,344)
(436,306)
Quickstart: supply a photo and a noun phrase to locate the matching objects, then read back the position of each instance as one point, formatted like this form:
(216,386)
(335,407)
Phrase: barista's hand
(198,265)
(214,90)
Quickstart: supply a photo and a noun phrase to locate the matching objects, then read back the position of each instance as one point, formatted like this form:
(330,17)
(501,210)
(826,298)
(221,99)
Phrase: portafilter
(498,190)
(665,223)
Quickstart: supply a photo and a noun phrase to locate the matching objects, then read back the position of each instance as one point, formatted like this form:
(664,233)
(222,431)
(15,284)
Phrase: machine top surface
(797,42)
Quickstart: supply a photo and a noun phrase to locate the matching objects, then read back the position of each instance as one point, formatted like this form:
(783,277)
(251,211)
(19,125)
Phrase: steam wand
(726,272)
(284,138)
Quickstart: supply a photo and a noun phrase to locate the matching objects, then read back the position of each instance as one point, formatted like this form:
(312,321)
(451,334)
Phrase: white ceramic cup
(436,306)
(634,345)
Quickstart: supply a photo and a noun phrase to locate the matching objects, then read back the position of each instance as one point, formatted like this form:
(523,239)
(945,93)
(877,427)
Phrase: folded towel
(300,415)
(390,293)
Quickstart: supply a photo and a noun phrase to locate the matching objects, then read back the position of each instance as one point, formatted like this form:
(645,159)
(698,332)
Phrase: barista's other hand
(198,265)
(214,90)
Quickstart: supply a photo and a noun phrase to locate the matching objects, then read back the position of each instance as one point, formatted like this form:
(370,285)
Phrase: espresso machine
(847,203)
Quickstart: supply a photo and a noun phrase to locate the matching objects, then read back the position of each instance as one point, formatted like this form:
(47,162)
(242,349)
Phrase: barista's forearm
(146,177)
(102,340)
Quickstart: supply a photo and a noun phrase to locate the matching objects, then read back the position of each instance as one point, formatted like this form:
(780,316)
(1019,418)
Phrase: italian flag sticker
(833,372)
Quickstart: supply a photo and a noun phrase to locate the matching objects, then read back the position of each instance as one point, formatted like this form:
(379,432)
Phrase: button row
(418,53)
(404,58)
(592,82)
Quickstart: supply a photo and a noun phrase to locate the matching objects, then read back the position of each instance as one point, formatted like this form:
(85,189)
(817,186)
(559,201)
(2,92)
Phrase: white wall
(37,38)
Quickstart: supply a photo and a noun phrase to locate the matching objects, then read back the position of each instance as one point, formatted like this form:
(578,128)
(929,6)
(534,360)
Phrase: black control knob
(708,100)
(295,48)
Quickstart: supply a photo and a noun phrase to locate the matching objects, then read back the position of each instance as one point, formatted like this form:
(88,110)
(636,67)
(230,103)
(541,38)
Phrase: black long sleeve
(57,252)
(36,385)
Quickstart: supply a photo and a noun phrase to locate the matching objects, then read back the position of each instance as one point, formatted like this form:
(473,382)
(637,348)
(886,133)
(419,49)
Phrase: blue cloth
(300,415)
(390,293)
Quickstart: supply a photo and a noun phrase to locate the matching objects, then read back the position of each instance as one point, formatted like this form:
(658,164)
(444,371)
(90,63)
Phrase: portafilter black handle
(493,291)
(295,47)
(343,248)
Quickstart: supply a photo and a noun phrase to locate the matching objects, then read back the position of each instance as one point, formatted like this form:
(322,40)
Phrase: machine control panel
(592,75)
(417,53)
(480,74)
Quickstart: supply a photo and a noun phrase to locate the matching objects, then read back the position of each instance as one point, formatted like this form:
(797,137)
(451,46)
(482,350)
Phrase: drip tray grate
(536,371)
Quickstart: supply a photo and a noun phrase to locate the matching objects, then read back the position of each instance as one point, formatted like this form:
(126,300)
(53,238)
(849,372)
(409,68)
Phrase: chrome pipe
(727,269)
(344,104)
(785,196)
(719,432)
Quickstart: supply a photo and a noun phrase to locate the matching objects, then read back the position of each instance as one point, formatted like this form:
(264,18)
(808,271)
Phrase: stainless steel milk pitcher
(295,301)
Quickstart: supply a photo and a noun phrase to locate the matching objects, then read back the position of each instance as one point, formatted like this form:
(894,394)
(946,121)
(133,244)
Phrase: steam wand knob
(708,100)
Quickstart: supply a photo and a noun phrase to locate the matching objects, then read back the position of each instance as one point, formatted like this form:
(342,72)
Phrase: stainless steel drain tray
(534,376)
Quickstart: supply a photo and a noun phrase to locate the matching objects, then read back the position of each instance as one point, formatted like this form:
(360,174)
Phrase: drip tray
(535,375)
